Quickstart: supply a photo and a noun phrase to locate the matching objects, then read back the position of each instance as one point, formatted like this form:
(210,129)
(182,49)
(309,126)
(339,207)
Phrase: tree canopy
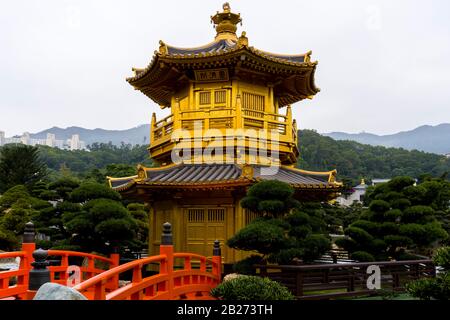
(20,165)
(401,217)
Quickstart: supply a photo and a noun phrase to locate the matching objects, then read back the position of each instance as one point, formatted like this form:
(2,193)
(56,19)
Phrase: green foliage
(260,236)
(251,288)
(8,241)
(299,234)
(271,197)
(92,190)
(379,206)
(362,256)
(442,258)
(140,216)
(359,235)
(100,161)
(401,217)
(13,195)
(314,246)
(245,266)
(20,165)
(355,161)
(287,256)
(434,288)
(431,288)
(64,186)
(100,224)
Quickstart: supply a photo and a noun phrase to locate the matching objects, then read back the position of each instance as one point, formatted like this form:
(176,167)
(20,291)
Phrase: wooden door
(203,226)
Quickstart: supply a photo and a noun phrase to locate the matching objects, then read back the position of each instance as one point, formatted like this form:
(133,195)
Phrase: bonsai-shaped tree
(401,217)
(99,222)
(287,229)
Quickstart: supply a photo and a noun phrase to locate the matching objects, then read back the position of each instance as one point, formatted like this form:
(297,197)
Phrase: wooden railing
(168,284)
(328,281)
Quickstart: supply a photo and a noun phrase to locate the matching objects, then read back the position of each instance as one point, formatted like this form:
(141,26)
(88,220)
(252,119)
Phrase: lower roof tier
(221,176)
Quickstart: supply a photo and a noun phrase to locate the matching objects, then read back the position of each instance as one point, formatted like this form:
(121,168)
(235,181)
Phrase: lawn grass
(401,296)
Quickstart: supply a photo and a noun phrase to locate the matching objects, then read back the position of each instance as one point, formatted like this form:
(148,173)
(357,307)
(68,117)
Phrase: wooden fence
(328,281)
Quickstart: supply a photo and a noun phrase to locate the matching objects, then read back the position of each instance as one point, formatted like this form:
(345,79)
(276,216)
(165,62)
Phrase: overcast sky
(384,66)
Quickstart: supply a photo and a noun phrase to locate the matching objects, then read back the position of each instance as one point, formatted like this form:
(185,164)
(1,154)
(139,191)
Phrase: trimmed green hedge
(251,288)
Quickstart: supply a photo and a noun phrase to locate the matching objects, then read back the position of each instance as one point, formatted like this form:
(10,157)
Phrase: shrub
(285,256)
(393,215)
(431,288)
(397,241)
(8,240)
(368,226)
(298,218)
(442,258)
(251,288)
(261,236)
(359,235)
(314,246)
(379,206)
(245,266)
(90,190)
(401,204)
(417,213)
(270,196)
(387,228)
(363,256)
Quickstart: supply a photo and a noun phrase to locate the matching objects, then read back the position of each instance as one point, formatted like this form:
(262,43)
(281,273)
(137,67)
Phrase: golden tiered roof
(172,67)
(225,84)
(221,176)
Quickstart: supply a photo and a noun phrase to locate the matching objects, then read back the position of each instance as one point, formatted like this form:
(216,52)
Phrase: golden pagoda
(230,126)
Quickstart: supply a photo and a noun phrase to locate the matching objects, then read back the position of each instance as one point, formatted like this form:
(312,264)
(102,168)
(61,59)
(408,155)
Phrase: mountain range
(136,135)
(434,139)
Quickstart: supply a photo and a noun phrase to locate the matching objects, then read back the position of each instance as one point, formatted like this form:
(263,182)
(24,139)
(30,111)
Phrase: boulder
(54,291)
(232,276)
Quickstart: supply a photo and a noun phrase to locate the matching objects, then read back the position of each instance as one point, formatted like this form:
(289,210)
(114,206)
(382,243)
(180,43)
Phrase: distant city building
(447,155)
(74,143)
(51,139)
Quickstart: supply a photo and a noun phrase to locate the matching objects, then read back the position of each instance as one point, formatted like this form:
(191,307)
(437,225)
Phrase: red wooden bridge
(179,276)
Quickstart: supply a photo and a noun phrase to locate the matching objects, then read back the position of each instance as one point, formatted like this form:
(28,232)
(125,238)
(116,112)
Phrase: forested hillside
(355,161)
(352,160)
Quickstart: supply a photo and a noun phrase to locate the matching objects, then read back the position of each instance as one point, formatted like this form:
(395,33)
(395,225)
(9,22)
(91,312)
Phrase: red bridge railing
(180,275)
(189,282)
(88,269)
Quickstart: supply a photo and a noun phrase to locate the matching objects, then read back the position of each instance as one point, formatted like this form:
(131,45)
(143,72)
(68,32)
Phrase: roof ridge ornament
(226,22)
(243,40)
(163,47)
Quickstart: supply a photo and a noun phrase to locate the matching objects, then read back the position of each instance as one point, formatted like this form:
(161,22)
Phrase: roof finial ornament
(226,23)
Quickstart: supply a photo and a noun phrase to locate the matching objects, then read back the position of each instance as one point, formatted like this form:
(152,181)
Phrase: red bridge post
(115,261)
(217,261)
(166,248)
